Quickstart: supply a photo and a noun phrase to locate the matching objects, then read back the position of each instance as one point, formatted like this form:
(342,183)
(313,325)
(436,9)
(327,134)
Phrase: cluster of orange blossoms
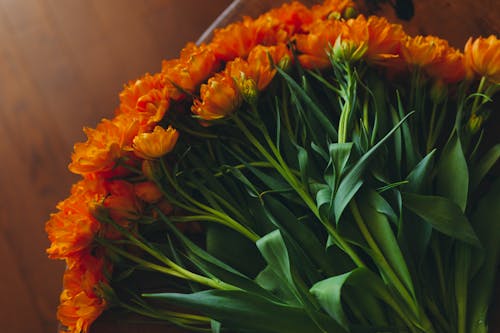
(215,79)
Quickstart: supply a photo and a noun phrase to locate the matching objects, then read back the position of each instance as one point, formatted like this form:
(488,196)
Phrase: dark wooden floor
(62,64)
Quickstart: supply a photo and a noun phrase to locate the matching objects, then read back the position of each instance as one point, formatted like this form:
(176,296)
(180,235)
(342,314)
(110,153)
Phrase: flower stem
(387,269)
(285,172)
(219,216)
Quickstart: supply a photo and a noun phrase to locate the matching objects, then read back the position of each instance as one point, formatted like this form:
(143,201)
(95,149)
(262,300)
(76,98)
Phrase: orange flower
(259,61)
(235,40)
(449,67)
(121,202)
(104,145)
(156,144)
(383,39)
(145,100)
(482,58)
(434,56)
(239,70)
(148,192)
(80,302)
(193,67)
(256,73)
(315,45)
(277,25)
(329,7)
(73,228)
(218,98)
(100,150)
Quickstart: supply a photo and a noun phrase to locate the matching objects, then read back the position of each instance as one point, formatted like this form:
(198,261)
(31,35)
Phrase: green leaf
(303,159)
(411,154)
(299,232)
(271,281)
(273,249)
(370,204)
(339,153)
(233,249)
(351,183)
(420,177)
(486,222)
(328,293)
(484,165)
(443,214)
(241,310)
(210,264)
(316,110)
(215,326)
(452,180)
(324,200)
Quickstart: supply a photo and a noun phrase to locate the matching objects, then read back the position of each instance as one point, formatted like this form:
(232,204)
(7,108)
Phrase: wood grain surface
(62,64)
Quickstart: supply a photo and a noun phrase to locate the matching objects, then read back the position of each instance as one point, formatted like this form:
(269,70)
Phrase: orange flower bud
(156,144)
(315,45)
(324,10)
(73,228)
(218,98)
(261,62)
(148,192)
(235,40)
(482,58)
(121,202)
(80,302)
(435,57)
(193,67)
(146,100)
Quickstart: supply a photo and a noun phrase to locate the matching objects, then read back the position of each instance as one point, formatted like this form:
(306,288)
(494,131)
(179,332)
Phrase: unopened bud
(247,88)
(334,16)
(349,51)
(475,122)
(284,63)
(350,12)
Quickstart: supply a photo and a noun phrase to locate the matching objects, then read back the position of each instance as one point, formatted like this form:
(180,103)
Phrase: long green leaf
(381,231)
(289,225)
(329,293)
(453,175)
(208,263)
(484,165)
(245,311)
(443,214)
(420,177)
(351,183)
(318,113)
(486,222)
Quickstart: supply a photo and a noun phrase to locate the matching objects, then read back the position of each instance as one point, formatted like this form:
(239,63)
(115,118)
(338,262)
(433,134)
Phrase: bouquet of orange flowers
(310,170)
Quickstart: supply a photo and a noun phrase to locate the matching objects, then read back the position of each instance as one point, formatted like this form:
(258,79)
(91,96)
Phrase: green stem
(296,185)
(475,104)
(439,266)
(385,267)
(182,319)
(173,269)
(221,217)
(431,136)
(462,259)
